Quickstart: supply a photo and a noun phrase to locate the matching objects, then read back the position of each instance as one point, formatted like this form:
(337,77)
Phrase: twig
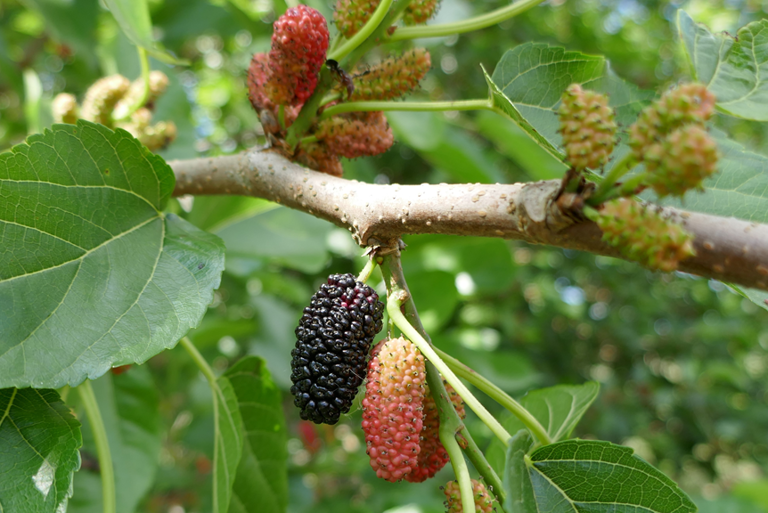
(727,249)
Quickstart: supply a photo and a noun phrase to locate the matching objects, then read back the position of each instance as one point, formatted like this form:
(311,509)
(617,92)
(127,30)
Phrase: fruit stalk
(142,99)
(398,295)
(448,430)
(468,25)
(341,108)
(461,433)
(605,187)
(498,395)
(108,491)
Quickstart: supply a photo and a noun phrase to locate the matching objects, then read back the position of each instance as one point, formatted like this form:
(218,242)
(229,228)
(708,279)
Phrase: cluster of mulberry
(483,499)
(111,98)
(587,126)
(333,339)
(644,236)
(669,137)
(288,74)
(281,81)
(400,418)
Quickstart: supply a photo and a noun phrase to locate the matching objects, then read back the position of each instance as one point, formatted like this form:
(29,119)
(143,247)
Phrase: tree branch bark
(727,249)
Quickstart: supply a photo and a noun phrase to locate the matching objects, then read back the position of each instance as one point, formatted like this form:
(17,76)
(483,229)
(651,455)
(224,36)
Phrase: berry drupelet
(333,339)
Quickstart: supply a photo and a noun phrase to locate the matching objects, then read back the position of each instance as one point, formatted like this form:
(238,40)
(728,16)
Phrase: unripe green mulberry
(483,499)
(392,77)
(158,83)
(351,15)
(65,109)
(685,158)
(587,126)
(644,236)
(356,134)
(393,408)
(686,104)
(101,98)
(158,136)
(419,11)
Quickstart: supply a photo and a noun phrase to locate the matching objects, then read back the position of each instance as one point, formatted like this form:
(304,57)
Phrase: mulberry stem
(202,364)
(307,140)
(447,433)
(498,395)
(341,108)
(397,296)
(473,452)
(621,168)
(459,27)
(142,99)
(449,417)
(624,190)
(367,270)
(373,23)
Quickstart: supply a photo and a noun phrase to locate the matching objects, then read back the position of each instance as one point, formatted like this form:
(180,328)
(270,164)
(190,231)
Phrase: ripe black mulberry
(334,337)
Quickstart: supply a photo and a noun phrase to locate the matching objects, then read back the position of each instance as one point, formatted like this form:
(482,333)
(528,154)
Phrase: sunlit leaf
(558,409)
(92,274)
(529,80)
(735,69)
(581,475)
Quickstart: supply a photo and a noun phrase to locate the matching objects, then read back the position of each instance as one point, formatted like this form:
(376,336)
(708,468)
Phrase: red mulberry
(299,46)
(432,454)
(392,408)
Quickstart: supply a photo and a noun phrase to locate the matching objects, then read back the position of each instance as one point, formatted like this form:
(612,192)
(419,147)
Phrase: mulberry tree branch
(727,249)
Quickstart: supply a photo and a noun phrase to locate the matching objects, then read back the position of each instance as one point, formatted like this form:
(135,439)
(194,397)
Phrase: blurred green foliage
(683,362)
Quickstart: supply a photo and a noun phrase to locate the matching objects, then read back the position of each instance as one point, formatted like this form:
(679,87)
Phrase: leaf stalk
(341,108)
(399,295)
(108,490)
(468,25)
(498,395)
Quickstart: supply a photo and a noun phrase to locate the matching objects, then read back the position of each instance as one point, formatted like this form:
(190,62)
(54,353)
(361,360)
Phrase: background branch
(727,249)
